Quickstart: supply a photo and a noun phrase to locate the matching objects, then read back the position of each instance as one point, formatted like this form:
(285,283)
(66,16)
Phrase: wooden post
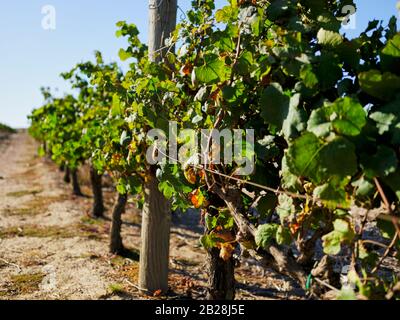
(154,253)
(156,220)
(162,24)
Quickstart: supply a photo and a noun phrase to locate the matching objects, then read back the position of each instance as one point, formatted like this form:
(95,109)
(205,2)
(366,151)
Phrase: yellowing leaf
(190,175)
(226,236)
(157,293)
(226,251)
(197,198)
(187,69)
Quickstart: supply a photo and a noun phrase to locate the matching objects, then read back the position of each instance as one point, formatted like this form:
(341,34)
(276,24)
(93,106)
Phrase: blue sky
(31,57)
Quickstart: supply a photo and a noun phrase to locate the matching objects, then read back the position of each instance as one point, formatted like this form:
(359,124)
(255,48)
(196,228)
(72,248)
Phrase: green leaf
(226,220)
(308,76)
(290,181)
(283,236)
(286,207)
(321,161)
(386,228)
(329,38)
(372,25)
(167,189)
(233,93)
(212,71)
(41,151)
(265,234)
(124,55)
(256,25)
(209,241)
(342,233)
(332,243)
(274,105)
(341,213)
(211,222)
(328,71)
(347,294)
(350,54)
(363,187)
(383,121)
(295,122)
(121,186)
(387,120)
(135,185)
(381,164)
(282,111)
(390,55)
(380,85)
(116,109)
(245,63)
(266,149)
(226,14)
(267,205)
(393,181)
(332,195)
(277,9)
(345,116)
(341,226)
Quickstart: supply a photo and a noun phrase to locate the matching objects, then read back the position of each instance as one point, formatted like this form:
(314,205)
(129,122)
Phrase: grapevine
(325,113)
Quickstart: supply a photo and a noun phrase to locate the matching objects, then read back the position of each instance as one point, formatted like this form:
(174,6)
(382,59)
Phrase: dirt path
(51,249)
(41,255)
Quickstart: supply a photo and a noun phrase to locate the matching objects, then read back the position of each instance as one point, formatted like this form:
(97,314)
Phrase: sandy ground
(51,249)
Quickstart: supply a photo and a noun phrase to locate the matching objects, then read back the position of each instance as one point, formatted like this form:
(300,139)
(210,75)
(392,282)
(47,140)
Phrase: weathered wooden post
(154,253)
